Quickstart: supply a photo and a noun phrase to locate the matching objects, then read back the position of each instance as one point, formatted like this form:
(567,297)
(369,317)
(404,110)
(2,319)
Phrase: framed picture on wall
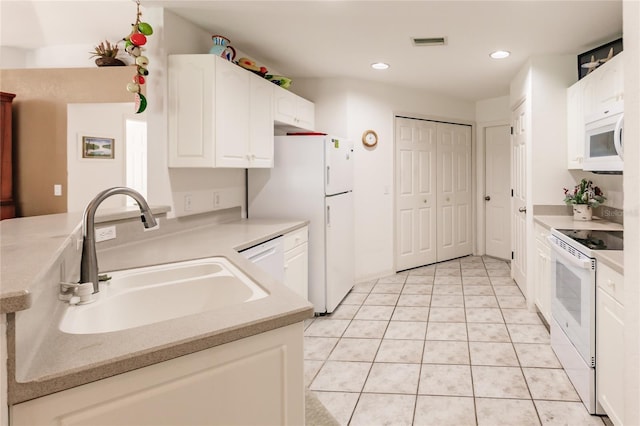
(94,147)
(588,61)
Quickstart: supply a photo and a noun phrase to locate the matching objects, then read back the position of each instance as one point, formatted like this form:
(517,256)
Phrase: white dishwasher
(269,256)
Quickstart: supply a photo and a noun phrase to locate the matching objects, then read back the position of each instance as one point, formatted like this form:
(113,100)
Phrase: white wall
(631,28)
(348,107)
(88,176)
(4,414)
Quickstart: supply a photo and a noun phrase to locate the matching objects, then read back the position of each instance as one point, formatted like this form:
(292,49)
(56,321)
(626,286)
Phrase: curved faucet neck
(89,262)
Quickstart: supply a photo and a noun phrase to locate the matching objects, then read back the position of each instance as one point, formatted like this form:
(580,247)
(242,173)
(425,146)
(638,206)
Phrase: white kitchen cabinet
(589,96)
(575,125)
(220,115)
(255,380)
(296,261)
(293,110)
(542,273)
(610,343)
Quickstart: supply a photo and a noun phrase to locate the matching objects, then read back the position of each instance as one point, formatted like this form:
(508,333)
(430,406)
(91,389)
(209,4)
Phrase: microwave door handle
(617,136)
(578,263)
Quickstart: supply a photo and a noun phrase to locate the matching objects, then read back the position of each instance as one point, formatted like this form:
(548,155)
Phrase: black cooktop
(596,240)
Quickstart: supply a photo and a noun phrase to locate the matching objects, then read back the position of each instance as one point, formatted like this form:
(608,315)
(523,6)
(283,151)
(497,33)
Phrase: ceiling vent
(429,41)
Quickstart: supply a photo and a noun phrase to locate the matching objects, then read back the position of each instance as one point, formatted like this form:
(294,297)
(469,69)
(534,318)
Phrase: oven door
(573,299)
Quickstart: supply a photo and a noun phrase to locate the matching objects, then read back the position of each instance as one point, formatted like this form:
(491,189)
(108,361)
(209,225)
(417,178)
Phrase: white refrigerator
(312,179)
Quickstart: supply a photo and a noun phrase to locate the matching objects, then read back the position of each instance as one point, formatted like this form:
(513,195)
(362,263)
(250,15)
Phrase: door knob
(522,209)
(424,201)
(487,198)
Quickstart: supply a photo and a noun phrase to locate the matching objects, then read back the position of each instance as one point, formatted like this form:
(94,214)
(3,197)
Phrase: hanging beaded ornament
(133,46)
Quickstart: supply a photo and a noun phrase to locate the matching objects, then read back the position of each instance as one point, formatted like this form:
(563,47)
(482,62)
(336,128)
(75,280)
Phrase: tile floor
(446,344)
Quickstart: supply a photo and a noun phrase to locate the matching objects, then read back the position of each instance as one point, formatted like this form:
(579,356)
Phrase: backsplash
(609,213)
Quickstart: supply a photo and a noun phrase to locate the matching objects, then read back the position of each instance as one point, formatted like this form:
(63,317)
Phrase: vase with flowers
(584,198)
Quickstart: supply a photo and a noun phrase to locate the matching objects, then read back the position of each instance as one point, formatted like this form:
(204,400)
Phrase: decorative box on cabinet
(220,115)
(292,110)
(610,342)
(7,203)
(296,261)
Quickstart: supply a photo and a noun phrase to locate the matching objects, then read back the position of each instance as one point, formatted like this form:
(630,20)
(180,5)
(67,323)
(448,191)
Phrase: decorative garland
(133,46)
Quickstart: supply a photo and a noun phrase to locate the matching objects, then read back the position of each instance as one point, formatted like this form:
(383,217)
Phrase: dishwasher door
(269,256)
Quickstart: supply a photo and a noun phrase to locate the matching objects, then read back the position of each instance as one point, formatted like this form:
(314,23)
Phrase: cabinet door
(261,123)
(291,109)
(305,113)
(232,115)
(609,82)
(610,356)
(296,269)
(211,387)
(191,110)
(543,280)
(575,125)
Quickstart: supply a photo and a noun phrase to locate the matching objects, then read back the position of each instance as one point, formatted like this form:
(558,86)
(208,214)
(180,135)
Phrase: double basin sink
(143,296)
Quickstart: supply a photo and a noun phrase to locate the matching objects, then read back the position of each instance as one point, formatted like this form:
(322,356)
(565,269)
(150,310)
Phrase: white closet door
(416,193)
(454,236)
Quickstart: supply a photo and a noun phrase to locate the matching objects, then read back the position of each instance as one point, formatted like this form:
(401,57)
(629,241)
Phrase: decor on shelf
(592,59)
(281,81)
(222,48)
(250,64)
(105,54)
(584,198)
(133,46)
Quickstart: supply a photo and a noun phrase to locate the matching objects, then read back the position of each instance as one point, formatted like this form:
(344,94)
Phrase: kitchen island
(43,360)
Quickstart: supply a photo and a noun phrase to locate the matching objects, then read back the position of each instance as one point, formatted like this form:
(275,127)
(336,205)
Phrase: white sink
(143,296)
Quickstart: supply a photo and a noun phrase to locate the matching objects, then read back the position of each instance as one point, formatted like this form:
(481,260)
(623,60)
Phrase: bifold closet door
(454,237)
(433,192)
(415,192)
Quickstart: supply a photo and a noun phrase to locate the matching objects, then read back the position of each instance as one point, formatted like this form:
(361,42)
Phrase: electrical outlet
(57,190)
(106,233)
(188,203)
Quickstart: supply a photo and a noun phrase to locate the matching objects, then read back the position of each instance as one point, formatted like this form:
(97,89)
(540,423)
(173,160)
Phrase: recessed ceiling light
(500,54)
(379,66)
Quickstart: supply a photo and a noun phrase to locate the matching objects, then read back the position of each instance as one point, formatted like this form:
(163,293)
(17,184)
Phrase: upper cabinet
(591,95)
(292,110)
(220,115)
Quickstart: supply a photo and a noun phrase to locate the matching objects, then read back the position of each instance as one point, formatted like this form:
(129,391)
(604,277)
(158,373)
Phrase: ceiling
(335,38)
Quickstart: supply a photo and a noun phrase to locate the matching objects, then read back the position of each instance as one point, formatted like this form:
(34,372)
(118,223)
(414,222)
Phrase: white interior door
(497,205)
(519,198)
(415,192)
(454,236)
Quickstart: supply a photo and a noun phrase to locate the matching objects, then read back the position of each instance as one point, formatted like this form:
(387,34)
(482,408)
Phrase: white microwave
(603,149)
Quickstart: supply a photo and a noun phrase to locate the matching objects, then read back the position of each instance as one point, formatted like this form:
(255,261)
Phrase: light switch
(57,190)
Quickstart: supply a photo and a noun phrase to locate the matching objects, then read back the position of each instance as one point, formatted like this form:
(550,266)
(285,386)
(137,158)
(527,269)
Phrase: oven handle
(579,263)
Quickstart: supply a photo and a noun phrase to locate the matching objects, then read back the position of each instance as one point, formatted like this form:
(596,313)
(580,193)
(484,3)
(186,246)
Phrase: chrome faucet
(89,263)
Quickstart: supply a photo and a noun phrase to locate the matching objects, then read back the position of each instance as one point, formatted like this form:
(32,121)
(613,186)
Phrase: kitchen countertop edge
(612,258)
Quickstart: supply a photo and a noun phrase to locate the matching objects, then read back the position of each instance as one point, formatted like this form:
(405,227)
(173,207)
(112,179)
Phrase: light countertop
(70,360)
(612,258)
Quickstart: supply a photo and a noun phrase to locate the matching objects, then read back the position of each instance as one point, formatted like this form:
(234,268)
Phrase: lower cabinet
(610,343)
(256,380)
(542,273)
(296,261)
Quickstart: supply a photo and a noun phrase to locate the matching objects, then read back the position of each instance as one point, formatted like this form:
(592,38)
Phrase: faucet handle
(76,293)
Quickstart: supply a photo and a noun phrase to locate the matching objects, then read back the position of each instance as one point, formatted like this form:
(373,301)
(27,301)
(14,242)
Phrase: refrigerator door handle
(328,174)
(328,215)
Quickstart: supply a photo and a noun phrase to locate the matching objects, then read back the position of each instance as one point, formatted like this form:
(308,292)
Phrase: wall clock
(369,138)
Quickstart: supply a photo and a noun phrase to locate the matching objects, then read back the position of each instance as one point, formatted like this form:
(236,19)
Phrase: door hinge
(511,129)
(512,255)
(512,192)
